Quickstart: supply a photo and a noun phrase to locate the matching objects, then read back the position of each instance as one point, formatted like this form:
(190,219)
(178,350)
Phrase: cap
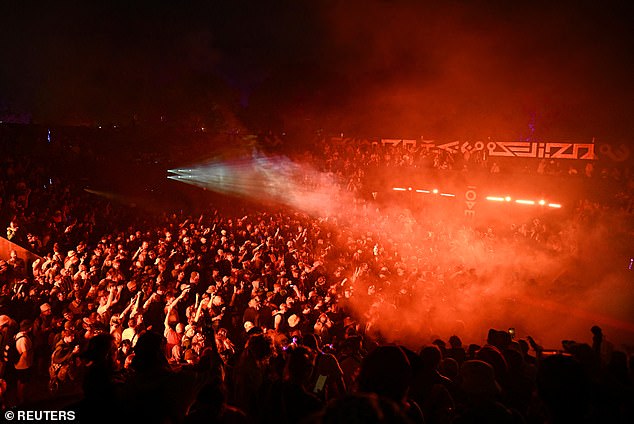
(293,321)
(4,320)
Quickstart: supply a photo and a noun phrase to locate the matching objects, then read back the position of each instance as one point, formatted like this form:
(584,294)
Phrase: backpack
(11,354)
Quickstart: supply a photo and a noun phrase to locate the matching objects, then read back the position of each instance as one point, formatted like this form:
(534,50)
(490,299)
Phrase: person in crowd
(387,372)
(431,390)
(42,329)
(63,367)
(24,366)
(481,392)
(7,331)
(290,399)
(101,385)
(327,381)
(456,351)
(251,372)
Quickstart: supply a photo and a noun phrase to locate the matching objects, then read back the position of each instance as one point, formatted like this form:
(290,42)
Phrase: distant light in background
(541,202)
(423,191)
(48,136)
(265,178)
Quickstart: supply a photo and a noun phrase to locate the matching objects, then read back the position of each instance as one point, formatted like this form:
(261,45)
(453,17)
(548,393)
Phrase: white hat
(4,320)
(293,321)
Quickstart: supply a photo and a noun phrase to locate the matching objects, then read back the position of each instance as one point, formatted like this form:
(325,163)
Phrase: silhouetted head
(478,379)
(455,342)
(441,345)
(492,356)
(148,352)
(387,372)
(100,349)
(499,339)
(259,346)
(299,365)
(312,341)
(430,357)
(472,350)
(596,330)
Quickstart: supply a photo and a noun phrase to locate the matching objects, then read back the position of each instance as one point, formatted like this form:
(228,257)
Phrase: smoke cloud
(435,273)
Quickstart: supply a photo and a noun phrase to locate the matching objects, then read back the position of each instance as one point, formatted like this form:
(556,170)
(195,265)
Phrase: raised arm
(125,312)
(137,303)
(149,301)
(198,312)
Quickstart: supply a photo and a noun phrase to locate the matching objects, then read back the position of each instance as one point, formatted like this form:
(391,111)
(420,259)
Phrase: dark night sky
(440,69)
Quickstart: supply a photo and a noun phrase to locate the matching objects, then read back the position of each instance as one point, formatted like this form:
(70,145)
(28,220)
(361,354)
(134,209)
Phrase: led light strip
(490,198)
(524,202)
(420,190)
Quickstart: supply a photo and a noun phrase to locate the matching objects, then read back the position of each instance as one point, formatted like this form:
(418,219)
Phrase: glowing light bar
(435,191)
(447,194)
(399,189)
(423,191)
(541,202)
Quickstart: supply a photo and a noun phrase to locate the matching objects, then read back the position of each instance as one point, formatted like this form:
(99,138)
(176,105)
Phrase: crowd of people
(355,163)
(342,155)
(255,318)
